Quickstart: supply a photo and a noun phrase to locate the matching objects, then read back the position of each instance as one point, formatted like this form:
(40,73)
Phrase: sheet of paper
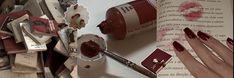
(38,39)
(33,7)
(22,69)
(27,59)
(171,20)
(30,44)
(63,37)
(70,63)
(59,47)
(56,10)
(9,74)
(74,72)
(16,28)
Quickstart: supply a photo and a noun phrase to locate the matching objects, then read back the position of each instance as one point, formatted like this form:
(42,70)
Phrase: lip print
(191,10)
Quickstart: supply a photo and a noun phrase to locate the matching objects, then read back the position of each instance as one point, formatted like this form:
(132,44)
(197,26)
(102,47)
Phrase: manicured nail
(189,33)
(230,41)
(178,46)
(203,35)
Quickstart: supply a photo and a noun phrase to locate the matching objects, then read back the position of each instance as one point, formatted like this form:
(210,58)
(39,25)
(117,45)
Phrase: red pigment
(90,49)
(191,16)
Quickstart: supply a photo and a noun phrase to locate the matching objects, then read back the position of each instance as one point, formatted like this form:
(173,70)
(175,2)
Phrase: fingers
(230,43)
(202,52)
(224,52)
(197,69)
(207,57)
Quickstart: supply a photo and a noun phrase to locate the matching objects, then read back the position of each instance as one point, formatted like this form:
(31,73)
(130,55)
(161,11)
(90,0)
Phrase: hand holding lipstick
(213,67)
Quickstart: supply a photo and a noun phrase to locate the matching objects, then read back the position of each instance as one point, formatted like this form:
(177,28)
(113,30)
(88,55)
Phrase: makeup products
(94,48)
(89,58)
(89,51)
(130,18)
(156,60)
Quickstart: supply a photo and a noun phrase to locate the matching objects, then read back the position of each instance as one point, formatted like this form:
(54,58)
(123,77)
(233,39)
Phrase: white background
(135,48)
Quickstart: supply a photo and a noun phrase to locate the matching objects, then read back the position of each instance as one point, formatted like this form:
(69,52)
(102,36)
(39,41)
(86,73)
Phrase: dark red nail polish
(203,36)
(178,46)
(230,41)
(189,33)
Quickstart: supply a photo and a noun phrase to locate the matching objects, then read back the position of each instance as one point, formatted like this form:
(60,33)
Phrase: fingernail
(178,46)
(189,33)
(230,40)
(203,36)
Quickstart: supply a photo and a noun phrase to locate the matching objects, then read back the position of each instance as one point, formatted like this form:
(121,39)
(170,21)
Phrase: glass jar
(90,62)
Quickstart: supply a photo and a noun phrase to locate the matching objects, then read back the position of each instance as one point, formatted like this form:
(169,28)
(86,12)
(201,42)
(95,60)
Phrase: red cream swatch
(90,49)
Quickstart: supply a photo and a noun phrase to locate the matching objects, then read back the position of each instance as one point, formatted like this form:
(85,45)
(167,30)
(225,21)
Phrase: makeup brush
(120,59)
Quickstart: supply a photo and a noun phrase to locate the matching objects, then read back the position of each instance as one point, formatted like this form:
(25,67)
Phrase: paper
(17,8)
(30,44)
(45,9)
(27,59)
(19,68)
(16,28)
(33,7)
(3,25)
(42,26)
(43,39)
(63,37)
(59,47)
(172,19)
(74,72)
(9,74)
(23,69)
(70,63)
(56,10)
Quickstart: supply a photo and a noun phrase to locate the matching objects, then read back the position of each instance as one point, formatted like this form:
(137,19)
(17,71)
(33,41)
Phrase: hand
(220,66)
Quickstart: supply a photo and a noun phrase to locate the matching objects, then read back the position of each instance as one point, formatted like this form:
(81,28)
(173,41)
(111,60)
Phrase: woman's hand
(213,66)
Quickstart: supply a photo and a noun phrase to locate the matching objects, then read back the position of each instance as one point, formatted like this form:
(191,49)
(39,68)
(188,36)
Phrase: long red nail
(230,41)
(203,36)
(189,33)
(178,46)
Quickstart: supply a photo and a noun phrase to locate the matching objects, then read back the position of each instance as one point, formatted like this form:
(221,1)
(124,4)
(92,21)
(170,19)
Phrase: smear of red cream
(90,49)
